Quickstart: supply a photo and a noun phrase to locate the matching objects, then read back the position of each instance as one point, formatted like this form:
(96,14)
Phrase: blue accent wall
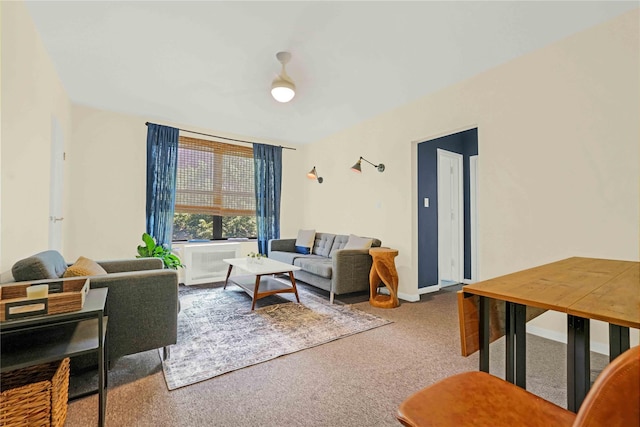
(465,143)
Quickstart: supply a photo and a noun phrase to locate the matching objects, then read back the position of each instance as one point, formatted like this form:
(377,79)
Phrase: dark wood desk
(584,288)
(36,340)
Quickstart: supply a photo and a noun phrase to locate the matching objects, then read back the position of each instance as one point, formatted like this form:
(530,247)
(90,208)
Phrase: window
(215,196)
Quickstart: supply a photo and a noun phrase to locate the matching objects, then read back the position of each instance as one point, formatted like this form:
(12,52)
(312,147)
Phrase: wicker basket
(35,396)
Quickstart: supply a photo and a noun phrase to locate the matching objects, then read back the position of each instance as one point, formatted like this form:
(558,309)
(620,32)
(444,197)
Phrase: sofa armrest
(143,310)
(351,269)
(131,264)
(282,245)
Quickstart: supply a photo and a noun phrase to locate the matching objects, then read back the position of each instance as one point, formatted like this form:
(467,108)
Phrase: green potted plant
(152,250)
(255,258)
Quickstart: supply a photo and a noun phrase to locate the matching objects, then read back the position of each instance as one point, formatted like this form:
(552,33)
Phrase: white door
(473,177)
(450,218)
(56,185)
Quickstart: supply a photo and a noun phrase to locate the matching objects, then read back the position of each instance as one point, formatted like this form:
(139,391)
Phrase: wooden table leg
(293,283)
(510,334)
(521,345)
(578,361)
(226,279)
(254,297)
(618,340)
(101,372)
(483,333)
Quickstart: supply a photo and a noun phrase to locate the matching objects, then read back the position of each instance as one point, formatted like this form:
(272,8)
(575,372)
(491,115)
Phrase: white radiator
(203,261)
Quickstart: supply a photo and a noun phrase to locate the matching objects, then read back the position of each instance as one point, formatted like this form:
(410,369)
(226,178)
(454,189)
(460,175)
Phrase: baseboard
(408,297)
(405,297)
(416,297)
(428,289)
(597,347)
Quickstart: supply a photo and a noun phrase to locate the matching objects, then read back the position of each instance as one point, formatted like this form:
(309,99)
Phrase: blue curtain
(267,169)
(162,159)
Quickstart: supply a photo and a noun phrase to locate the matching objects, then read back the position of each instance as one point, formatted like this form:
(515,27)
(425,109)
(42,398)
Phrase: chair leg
(106,374)
(166,353)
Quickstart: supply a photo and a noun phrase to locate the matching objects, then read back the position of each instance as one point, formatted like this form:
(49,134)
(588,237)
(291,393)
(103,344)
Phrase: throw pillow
(356,242)
(84,267)
(305,240)
(44,265)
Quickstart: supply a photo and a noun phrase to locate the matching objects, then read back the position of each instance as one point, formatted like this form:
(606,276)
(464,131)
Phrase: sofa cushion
(84,267)
(338,243)
(43,265)
(341,241)
(323,243)
(356,242)
(320,266)
(305,241)
(286,257)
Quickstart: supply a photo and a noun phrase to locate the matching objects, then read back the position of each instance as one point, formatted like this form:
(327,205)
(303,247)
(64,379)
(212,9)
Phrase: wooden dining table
(583,288)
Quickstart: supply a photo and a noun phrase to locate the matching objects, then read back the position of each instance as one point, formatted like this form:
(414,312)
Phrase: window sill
(232,240)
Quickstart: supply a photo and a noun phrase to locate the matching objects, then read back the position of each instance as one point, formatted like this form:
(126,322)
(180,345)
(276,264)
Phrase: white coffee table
(259,282)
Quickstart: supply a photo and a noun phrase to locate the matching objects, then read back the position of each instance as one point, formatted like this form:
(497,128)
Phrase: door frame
(473,211)
(457,193)
(56,186)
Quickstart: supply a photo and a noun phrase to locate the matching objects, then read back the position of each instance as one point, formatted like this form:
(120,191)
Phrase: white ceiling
(210,64)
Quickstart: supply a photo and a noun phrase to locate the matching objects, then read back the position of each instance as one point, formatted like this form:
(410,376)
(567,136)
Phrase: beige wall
(104,196)
(558,141)
(32,95)
(107,162)
(558,158)
(0,145)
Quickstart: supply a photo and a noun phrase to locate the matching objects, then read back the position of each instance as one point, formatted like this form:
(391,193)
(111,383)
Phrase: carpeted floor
(356,381)
(219,333)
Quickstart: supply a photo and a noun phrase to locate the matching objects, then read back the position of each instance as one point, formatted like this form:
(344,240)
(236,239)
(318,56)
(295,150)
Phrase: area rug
(218,333)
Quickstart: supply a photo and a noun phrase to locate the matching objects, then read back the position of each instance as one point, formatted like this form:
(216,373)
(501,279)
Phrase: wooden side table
(383,269)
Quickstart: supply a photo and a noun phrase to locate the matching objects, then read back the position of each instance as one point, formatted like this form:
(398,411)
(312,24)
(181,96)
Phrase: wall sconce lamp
(358,166)
(314,175)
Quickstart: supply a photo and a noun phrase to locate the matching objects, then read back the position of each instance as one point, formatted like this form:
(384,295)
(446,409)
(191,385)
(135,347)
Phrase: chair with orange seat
(480,399)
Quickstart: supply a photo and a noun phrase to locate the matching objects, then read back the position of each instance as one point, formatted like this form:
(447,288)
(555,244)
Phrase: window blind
(214,178)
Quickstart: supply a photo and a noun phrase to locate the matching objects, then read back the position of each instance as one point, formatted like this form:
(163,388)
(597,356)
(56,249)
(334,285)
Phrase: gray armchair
(142,302)
(142,305)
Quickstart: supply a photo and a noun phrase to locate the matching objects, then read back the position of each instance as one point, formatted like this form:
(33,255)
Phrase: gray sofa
(142,301)
(328,266)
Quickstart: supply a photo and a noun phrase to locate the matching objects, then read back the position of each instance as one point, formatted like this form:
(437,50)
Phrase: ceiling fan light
(282,90)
